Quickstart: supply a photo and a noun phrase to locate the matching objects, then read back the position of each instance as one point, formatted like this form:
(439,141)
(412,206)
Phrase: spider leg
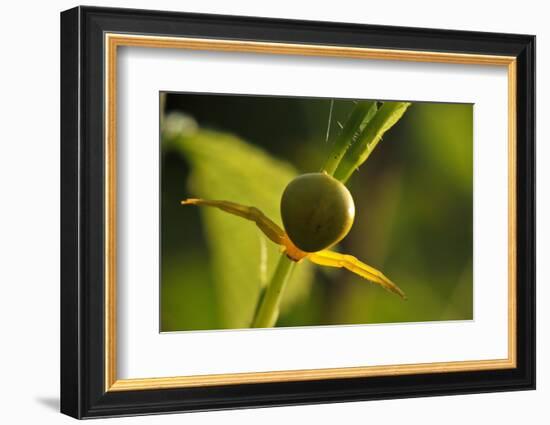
(349,262)
(267,226)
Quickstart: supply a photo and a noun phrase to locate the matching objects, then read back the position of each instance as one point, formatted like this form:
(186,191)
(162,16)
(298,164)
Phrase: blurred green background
(413,220)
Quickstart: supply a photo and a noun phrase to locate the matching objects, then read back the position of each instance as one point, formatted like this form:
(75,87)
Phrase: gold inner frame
(113,41)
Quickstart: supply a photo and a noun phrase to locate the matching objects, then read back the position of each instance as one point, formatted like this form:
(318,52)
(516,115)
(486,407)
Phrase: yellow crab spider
(317,212)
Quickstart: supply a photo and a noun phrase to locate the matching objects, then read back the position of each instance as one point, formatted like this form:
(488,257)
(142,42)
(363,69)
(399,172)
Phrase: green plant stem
(359,117)
(268,312)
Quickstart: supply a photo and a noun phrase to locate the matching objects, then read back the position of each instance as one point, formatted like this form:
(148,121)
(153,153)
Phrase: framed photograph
(261,212)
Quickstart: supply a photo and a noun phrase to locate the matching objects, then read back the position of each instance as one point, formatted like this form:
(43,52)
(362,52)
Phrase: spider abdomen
(317,211)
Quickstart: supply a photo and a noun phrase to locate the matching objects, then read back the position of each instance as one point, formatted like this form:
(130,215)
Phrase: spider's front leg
(264,223)
(349,262)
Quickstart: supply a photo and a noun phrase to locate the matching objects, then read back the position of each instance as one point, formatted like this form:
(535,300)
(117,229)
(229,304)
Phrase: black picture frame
(83,392)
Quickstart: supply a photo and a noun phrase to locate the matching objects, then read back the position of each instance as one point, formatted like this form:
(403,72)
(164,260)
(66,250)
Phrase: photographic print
(296,211)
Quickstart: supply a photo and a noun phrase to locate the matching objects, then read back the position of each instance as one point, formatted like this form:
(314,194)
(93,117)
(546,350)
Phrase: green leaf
(359,117)
(385,118)
(224,167)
